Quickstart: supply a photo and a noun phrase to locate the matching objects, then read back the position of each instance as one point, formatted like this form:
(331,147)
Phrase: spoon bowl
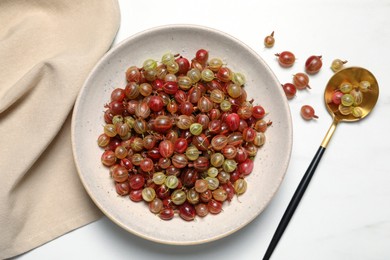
(353,75)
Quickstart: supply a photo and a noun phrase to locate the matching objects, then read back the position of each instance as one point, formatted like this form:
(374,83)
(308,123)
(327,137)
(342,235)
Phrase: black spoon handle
(294,202)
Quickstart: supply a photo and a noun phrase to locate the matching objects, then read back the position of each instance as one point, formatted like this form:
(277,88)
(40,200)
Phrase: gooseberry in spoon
(354,75)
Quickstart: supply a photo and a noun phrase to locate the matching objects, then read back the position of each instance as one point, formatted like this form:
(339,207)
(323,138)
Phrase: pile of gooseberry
(181,135)
(349,97)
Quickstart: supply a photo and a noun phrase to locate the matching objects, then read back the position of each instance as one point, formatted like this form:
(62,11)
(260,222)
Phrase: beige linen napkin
(47,49)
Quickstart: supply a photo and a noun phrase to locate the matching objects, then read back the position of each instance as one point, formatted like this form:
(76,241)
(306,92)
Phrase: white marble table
(345,213)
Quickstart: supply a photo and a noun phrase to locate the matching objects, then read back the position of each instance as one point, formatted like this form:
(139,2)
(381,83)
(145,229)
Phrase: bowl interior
(271,161)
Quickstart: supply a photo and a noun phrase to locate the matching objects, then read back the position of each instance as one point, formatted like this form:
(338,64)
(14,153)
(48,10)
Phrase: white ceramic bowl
(271,161)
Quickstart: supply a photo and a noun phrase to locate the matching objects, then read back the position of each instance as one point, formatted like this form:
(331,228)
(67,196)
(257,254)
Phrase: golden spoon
(353,75)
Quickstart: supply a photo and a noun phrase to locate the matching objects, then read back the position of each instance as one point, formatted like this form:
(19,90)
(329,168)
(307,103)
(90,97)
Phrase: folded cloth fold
(47,49)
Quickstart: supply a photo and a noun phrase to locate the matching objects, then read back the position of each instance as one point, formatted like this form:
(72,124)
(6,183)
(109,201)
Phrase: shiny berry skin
(147,164)
(214,126)
(156,103)
(108,158)
(313,64)
(224,74)
(166,148)
(120,174)
(126,163)
(201,142)
(170,87)
(258,112)
(122,188)
(172,107)
(163,192)
(118,94)
(205,104)
(246,167)
(301,80)
(136,181)
(157,84)
(135,195)
(180,96)
(269,40)
(202,56)
(179,160)
(233,121)
(187,211)
(181,145)
(214,206)
(162,124)
(201,164)
(188,177)
(290,90)
(166,213)
(184,65)
(336,97)
(186,108)
(204,120)
(307,112)
(241,155)
(286,58)
(219,142)
(248,134)
(116,107)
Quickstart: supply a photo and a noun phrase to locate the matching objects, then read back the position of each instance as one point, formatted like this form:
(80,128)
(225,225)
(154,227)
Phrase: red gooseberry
(313,64)
(286,58)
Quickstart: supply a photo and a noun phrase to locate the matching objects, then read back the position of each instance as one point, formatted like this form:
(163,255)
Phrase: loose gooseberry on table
(286,58)
(337,64)
(290,90)
(307,112)
(301,80)
(181,135)
(313,64)
(269,40)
